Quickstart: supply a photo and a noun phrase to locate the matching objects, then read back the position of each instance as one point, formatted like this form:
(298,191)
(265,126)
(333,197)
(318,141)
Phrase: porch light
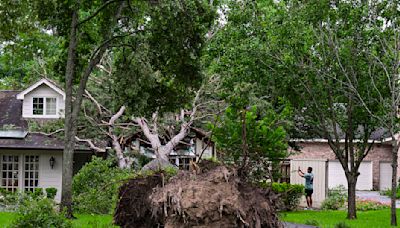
(52,161)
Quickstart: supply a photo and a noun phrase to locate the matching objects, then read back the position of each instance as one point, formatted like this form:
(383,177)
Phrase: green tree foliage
(264,139)
(160,68)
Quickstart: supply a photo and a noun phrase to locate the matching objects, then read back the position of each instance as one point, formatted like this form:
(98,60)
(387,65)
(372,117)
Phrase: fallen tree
(211,196)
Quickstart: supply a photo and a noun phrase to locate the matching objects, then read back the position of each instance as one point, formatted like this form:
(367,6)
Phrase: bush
(388,192)
(337,198)
(95,186)
(368,205)
(290,194)
(11,201)
(37,193)
(51,193)
(39,213)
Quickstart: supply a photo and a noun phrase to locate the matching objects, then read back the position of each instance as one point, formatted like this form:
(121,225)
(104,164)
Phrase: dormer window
(44,106)
(43,100)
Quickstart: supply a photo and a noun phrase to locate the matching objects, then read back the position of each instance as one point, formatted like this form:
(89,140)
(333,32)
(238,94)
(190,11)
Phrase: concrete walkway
(375,196)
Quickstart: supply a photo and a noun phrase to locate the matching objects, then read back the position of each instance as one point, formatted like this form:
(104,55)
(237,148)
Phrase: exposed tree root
(216,197)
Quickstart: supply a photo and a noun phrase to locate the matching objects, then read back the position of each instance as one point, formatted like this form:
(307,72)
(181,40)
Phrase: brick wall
(321,150)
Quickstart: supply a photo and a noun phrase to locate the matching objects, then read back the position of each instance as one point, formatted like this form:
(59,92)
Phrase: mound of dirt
(134,206)
(216,197)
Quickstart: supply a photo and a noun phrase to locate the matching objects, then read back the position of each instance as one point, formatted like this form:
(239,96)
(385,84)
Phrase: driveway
(375,196)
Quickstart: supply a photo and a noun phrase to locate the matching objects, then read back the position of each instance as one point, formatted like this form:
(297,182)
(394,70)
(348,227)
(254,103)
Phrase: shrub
(290,194)
(337,198)
(39,213)
(10,201)
(51,193)
(95,186)
(37,193)
(388,192)
(367,205)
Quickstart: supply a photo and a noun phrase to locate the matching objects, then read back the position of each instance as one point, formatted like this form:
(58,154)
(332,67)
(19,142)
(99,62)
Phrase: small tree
(252,139)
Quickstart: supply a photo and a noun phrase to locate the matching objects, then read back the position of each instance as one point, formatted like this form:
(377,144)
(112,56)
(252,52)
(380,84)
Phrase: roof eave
(42,81)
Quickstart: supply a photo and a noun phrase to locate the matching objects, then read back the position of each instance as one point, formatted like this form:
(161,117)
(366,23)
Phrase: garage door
(385,175)
(336,175)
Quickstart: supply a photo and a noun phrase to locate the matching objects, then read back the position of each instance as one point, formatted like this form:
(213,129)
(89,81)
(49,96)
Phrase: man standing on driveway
(309,177)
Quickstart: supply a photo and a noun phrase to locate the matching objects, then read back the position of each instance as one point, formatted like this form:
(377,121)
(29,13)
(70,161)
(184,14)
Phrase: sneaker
(306,208)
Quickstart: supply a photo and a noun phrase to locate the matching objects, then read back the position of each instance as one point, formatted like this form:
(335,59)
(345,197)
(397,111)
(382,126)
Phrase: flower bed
(367,205)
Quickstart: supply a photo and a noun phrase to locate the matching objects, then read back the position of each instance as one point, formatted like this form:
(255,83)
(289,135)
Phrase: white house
(32,160)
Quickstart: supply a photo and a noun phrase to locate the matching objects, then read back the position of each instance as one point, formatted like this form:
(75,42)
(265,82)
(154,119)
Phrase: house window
(285,172)
(31,172)
(44,106)
(38,106)
(51,106)
(9,172)
(183,163)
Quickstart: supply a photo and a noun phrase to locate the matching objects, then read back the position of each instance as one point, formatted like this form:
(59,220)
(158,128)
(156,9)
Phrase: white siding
(42,91)
(385,175)
(319,184)
(200,145)
(47,177)
(337,177)
(51,177)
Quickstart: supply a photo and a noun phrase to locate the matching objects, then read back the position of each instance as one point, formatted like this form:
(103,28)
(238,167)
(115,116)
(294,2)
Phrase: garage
(385,175)
(336,175)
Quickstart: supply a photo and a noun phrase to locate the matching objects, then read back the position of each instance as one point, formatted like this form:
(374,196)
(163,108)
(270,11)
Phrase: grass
(328,219)
(82,221)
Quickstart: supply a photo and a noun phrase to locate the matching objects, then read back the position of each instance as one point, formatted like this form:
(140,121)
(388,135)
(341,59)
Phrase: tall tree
(383,68)
(119,19)
(328,57)
(293,48)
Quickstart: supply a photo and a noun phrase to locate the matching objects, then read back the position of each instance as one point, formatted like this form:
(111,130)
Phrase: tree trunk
(68,154)
(161,161)
(393,217)
(351,190)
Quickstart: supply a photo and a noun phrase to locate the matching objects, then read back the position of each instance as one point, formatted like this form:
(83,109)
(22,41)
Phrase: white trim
(21,95)
(308,159)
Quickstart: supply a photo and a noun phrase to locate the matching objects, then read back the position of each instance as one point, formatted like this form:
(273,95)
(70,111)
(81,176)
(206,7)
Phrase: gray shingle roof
(11,111)
(11,119)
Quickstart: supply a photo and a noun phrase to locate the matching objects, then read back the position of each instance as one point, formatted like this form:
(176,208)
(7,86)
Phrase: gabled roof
(42,81)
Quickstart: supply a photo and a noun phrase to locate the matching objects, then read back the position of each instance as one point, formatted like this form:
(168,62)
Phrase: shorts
(308,192)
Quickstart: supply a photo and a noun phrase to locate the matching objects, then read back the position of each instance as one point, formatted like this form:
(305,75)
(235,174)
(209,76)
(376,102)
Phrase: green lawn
(89,221)
(370,219)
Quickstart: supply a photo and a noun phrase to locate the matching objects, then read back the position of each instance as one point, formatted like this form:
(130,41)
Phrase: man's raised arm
(300,172)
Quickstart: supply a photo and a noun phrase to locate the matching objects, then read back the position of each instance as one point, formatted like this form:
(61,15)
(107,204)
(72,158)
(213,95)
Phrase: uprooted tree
(163,131)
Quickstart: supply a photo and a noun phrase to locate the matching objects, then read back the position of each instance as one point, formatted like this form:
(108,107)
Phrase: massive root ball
(134,206)
(214,198)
